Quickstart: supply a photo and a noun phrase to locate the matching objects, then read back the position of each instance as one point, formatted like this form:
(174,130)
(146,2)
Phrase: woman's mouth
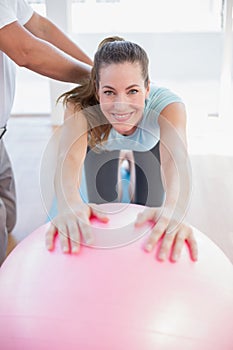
(121,117)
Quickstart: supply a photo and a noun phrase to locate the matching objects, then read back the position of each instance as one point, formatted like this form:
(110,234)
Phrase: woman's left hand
(173,234)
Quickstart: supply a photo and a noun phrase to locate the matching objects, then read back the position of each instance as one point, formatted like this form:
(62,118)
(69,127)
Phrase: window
(101,16)
(39,6)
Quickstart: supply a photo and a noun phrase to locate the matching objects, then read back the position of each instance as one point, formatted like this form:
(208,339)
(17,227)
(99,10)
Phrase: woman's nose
(121,103)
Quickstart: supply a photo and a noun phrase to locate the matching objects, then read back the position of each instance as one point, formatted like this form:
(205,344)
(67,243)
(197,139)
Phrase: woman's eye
(108,92)
(133,91)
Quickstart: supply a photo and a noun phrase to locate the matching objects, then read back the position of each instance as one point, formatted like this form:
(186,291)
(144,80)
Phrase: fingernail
(89,240)
(149,247)
(137,223)
(65,250)
(162,256)
(175,257)
(75,249)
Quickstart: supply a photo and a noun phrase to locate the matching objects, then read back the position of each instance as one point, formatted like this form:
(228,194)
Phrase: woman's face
(122,95)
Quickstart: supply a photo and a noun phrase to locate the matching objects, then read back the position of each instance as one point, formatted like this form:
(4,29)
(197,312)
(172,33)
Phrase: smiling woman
(119,108)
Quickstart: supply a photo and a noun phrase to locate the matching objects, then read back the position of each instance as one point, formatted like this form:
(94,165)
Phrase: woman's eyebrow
(131,86)
(107,87)
(127,88)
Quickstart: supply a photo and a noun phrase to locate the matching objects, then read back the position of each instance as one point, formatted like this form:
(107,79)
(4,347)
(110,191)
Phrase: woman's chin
(124,131)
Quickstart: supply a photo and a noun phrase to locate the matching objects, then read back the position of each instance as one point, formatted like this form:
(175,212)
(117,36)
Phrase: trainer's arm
(46,30)
(40,56)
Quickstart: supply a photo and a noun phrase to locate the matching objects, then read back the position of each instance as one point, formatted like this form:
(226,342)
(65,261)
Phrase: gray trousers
(7,200)
(101,171)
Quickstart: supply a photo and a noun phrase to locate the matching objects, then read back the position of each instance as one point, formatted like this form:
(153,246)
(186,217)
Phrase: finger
(193,248)
(147,214)
(99,214)
(178,245)
(86,230)
(156,234)
(64,239)
(74,236)
(50,237)
(166,246)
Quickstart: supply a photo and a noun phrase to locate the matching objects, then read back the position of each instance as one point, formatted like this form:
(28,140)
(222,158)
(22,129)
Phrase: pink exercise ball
(120,298)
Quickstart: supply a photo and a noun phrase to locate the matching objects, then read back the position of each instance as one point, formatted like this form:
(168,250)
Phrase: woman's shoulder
(160,97)
(158,91)
(74,117)
(72,109)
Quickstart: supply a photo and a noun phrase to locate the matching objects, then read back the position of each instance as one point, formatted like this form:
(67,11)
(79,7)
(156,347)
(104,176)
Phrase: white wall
(189,56)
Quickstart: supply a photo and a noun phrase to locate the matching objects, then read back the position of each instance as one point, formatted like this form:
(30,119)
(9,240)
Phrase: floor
(212,197)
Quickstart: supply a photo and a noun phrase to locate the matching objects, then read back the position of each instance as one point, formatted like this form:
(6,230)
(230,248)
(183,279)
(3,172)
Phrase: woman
(118,108)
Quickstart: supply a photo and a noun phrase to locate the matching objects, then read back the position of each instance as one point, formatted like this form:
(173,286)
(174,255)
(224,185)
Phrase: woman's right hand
(73,227)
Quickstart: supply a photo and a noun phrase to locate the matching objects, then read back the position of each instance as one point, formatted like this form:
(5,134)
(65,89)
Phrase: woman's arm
(175,165)
(71,155)
(176,176)
(72,222)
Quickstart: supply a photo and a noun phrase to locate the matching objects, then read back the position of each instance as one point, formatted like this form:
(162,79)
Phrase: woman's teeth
(121,116)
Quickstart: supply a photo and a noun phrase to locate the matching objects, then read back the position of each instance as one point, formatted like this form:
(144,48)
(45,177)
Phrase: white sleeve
(14,10)
(24,11)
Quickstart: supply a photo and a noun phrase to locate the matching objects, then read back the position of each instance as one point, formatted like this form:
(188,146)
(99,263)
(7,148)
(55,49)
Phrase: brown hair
(111,50)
